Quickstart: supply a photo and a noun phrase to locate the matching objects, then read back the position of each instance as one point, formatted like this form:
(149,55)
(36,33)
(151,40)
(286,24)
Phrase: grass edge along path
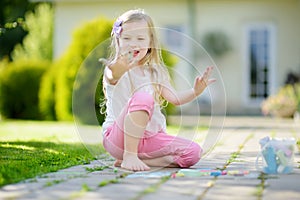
(23,160)
(32,148)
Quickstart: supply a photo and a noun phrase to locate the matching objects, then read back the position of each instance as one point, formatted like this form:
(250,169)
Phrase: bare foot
(118,163)
(132,162)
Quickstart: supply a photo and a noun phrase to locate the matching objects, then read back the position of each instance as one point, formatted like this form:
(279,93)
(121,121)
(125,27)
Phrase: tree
(38,42)
(11,24)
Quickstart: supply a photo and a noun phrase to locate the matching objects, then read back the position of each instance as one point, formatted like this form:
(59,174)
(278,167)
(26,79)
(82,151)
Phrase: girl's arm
(182,97)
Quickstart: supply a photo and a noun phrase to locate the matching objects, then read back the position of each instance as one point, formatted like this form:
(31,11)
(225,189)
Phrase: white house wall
(229,16)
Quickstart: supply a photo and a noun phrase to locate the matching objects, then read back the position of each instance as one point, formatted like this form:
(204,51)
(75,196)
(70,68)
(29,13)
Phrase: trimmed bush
(19,86)
(88,89)
(46,94)
(84,40)
(284,103)
(170,62)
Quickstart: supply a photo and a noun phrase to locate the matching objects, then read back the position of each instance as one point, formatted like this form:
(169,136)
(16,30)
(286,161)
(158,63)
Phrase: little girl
(135,82)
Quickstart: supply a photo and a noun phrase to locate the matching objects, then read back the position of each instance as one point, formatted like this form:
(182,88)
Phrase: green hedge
(46,94)
(19,86)
(84,40)
(88,89)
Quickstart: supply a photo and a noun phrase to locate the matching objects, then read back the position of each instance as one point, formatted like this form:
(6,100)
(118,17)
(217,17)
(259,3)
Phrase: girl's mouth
(135,53)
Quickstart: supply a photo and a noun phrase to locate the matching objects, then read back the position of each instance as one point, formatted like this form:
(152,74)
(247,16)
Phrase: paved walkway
(236,152)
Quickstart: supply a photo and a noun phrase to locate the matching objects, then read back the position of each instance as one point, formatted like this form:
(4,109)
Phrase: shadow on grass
(23,160)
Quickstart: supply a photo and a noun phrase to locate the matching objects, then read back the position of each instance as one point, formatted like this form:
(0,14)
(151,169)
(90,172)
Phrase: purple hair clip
(117,28)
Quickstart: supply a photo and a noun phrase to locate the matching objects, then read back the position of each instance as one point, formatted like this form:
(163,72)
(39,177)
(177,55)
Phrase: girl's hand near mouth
(121,65)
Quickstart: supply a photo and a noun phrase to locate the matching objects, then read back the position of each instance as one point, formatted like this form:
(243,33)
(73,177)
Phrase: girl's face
(135,40)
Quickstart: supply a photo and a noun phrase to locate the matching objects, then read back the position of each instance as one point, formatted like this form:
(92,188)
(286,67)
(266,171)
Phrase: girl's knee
(191,156)
(142,101)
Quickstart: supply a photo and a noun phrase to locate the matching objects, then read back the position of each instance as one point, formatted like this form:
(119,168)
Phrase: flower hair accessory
(117,28)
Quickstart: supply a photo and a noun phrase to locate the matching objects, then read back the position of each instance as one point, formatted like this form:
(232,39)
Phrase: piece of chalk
(216,173)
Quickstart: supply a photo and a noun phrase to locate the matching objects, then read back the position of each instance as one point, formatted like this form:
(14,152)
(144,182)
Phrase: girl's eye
(141,38)
(126,38)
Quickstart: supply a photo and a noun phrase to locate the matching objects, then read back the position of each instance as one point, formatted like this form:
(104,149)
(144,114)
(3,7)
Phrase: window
(259,53)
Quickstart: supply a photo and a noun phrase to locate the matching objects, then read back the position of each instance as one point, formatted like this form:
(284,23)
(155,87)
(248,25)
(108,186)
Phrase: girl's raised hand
(203,81)
(120,65)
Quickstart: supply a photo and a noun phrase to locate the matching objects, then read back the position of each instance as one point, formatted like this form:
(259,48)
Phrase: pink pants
(153,145)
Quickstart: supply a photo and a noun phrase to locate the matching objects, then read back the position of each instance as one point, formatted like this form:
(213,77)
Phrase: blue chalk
(216,173)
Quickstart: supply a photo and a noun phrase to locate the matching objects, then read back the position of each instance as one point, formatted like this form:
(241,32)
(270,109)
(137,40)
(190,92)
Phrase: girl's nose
(132,44)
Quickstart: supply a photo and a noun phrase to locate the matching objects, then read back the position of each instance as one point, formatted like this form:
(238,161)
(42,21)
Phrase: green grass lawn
(32,148)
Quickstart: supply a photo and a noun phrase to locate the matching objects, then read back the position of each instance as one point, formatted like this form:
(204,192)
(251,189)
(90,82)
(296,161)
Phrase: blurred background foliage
(19,86)
(217,43)
(12,30)
(84,40)
(37,44)
(34,86)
